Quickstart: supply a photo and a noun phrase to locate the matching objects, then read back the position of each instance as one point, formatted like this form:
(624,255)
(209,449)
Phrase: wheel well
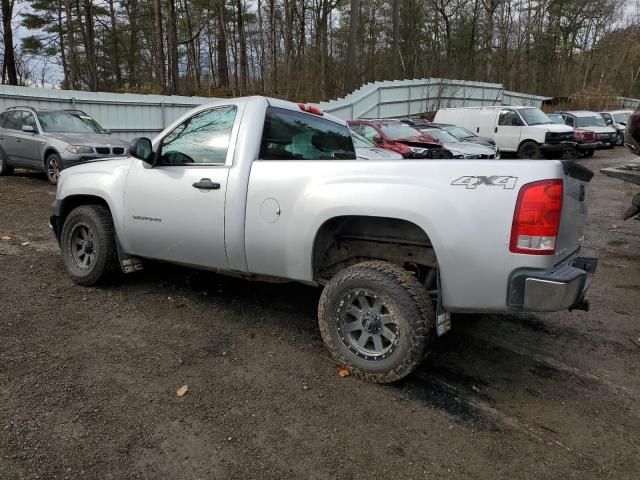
(71,202)
(48,152)
(347,240)
(529,140)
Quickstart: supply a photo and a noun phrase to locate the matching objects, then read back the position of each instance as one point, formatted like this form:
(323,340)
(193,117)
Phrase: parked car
(586,142)
(556,118)
(594,122)
(617,119)
(460,133)
(525,131)
(400,138)
(52,140)
(396,245)
(457,148)
(367,150)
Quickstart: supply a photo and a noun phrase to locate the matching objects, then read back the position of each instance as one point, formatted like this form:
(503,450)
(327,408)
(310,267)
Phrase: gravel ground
(88,376)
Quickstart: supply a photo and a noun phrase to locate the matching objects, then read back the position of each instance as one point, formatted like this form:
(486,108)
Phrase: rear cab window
(291,135)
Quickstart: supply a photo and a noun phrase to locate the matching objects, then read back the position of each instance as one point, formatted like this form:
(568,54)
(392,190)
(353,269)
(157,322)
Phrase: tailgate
(574,208)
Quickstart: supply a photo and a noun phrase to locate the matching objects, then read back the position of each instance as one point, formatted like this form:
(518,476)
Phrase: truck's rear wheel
(377,319)
(588,153)
(88,244)
(529,149)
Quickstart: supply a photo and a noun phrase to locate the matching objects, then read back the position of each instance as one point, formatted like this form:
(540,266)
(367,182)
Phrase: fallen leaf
(182,391)
(24,244)
(6,237)
(343,372)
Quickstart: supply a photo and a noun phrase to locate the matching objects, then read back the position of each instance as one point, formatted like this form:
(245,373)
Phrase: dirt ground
(88,376)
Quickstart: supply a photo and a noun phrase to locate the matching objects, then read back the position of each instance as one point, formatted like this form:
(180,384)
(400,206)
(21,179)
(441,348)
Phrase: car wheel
(5,169)
(377,319)
(53,165)
(88,244)
(588,153)
(529,149)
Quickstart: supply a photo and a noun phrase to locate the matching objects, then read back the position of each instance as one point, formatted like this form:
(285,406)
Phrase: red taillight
(310,109)
(537,218)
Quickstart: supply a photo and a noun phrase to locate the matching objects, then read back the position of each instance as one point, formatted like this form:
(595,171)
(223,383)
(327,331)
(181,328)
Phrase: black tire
(529,149)
(94,260)
(52,167)
(409,315)
(5,169)
(588,153)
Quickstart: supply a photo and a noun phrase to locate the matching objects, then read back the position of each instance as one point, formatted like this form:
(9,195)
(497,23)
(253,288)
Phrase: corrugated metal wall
(130,115)
(126,115)
(402,98)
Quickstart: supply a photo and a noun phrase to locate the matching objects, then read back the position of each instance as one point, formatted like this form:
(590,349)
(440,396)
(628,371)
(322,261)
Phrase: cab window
(509,118)
(290,135)
(569,121)
(201,139)
(369,132)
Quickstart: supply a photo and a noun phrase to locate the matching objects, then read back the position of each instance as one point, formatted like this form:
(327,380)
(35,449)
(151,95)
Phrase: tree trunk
(172,47)
(223,63)
(160,67)
(90,45)
(396,38)
(9,71)
(243,48)
(133,43)
(73,58)
(350,80)
(115,50)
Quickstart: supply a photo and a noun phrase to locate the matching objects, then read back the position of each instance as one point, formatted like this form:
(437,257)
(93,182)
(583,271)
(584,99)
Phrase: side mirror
(608,121)
(141,148)
(28,129)
(377,139)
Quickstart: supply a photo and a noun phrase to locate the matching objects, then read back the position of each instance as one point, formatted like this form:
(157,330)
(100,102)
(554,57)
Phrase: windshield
(459,132)
(621,117)
(64,122)
(534,116)
(594,121)
(556,118)
(361,142)
(440,135)
(398,131)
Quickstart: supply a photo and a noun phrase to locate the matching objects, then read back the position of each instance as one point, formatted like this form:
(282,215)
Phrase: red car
(400,138)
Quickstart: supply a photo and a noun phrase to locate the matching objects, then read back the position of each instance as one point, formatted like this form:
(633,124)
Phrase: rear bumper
(563,287)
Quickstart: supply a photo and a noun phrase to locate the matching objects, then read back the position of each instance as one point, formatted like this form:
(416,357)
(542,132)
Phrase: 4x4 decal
(508,183)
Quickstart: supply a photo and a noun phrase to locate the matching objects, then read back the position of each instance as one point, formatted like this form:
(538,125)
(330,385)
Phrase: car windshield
(534,116)
(556,118)
(398,131)
(591,121)
(361,142)
(64,122)
(621,117)
(440,135)
(459,132)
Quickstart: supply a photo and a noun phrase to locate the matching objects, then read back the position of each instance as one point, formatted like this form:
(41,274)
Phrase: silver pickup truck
(272,190)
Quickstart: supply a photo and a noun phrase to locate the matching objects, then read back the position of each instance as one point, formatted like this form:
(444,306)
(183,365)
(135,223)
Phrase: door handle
(206,184)
(496,130)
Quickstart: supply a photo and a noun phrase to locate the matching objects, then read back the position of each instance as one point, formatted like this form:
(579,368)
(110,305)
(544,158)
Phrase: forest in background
(314,50)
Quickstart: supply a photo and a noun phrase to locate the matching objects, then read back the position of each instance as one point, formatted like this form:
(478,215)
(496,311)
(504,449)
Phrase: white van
(526,131)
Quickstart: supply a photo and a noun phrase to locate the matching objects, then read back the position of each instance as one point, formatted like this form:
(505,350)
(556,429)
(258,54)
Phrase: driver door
(508,131)
(174,211)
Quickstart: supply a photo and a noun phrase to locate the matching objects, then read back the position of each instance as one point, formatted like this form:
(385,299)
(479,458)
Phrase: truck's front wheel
(529,149)
(88,244)
(376,318)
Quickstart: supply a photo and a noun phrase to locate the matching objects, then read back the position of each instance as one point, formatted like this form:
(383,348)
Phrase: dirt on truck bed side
(88,376)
